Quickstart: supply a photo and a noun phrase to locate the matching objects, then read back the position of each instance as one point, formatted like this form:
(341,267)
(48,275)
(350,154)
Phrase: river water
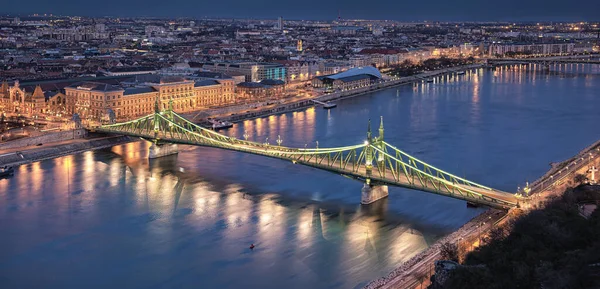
(112,219)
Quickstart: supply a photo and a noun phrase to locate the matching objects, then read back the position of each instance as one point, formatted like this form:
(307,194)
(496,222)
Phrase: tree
(449,251)
(579,179)
(496,234)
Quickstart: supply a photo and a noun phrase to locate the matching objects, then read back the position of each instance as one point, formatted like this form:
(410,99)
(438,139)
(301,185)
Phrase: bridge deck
(387,164)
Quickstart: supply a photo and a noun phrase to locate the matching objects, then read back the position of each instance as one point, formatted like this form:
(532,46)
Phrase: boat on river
(329,105)
(6,172)
(217,125)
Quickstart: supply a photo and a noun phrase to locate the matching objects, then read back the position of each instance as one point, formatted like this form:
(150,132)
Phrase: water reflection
(185,220)
(124,210)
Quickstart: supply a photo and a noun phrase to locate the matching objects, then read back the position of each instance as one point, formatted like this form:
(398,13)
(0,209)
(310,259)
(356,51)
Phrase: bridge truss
(375,161)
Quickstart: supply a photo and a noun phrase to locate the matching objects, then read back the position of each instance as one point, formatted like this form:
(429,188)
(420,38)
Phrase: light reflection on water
(112,218)
(108,218)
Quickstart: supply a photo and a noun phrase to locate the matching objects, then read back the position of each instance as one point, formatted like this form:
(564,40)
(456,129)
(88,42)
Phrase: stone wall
(44,139)
(34,155)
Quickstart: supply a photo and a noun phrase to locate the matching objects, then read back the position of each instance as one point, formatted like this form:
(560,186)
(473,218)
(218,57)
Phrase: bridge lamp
(245,136)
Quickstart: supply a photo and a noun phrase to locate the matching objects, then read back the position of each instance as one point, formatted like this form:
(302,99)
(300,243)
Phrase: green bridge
(374,162)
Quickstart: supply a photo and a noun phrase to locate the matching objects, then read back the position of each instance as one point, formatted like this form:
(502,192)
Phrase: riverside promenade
(237,113)
(49,146)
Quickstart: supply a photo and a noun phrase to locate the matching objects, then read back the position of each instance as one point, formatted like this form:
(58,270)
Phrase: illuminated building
(91,100)
(24,100)
(263,90)
(534,49)
(254,71)
(350,79)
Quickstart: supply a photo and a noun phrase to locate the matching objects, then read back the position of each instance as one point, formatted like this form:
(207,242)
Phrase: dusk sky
(467,10)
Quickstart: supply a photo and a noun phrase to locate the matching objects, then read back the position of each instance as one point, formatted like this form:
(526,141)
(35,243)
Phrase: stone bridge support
(373,193)
(161,150)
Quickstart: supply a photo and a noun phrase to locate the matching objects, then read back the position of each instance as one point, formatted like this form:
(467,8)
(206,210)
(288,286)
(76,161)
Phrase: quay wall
(298,105)
(44,138)
(44,153)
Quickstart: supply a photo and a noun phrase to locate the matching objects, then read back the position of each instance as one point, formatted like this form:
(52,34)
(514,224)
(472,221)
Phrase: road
(408,278)
(46,145)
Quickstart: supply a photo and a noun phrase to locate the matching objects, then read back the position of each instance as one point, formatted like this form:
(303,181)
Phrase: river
(111,218)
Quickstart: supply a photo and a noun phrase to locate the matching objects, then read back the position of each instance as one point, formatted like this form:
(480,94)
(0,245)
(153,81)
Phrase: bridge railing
(375,159)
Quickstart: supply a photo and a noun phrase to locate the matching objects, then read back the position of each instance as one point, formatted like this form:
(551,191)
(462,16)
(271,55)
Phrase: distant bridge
(374,162)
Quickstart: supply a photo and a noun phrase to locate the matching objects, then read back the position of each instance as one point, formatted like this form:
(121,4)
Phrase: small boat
(329,105)
(6,172)
(460,73)
(216,125)
(429,80)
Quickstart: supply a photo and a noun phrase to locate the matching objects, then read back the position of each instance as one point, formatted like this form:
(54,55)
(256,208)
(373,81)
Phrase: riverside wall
(270,108)
(44,138)
(44,153)
(402,273)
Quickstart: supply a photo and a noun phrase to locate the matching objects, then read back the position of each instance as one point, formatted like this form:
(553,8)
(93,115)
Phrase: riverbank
(408,273)
(556,180)
(26,156)
(244,112)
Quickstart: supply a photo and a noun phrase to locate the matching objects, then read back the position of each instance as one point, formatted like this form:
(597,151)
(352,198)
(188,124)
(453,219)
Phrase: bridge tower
(372,192)
(160,149)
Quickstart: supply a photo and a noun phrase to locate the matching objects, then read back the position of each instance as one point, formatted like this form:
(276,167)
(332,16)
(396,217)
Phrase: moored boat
(6,172)
(329,105)
(216,125)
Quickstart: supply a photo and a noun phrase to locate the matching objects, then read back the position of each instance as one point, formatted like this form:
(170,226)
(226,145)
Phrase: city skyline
(469,10)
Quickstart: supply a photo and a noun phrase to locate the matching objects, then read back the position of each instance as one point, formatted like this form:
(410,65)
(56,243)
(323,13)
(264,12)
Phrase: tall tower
(280,23)
(299,45)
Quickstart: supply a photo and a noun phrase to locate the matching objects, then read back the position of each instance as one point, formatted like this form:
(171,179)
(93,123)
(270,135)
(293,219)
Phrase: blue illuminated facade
(277,72)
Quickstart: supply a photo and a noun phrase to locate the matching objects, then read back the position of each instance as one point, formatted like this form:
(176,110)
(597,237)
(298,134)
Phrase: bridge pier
(371,193)
(161,150)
